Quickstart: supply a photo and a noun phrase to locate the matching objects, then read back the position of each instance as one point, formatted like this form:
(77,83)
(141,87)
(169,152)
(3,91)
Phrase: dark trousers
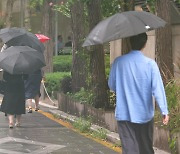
(136,138)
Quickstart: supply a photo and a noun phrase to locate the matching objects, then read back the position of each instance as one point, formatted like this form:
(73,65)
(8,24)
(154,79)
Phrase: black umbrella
(7,34)
(20,37)
(21,59)
(122,25)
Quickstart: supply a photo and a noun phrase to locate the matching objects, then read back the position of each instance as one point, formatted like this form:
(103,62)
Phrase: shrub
(66,84)
(173,99)
(84,96)
(107,64)
(82,124)
(53,81)
(62,63)
(100,133)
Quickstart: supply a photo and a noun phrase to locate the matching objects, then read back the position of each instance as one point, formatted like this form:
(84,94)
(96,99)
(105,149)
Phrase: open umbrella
(21,59)
(122,25)
(20,37)
(7,34)
(42,37)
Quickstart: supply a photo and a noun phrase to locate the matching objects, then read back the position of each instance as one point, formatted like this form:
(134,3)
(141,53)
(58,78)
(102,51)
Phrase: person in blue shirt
(136,80)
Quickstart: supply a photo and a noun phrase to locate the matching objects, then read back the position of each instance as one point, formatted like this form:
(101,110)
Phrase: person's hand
(165,119)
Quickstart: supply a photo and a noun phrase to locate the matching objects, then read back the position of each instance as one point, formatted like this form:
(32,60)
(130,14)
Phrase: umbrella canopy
(122,25)
(7,34)
(21,59)
(42,37)
(20,37)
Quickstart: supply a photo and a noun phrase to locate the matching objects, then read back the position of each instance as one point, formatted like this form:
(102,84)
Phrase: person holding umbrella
(13,102)
(33,82)
(135,79)
(17,61)
(32,89)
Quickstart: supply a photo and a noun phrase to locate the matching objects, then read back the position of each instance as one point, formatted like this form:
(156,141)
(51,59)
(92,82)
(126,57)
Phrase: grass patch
(82,125)
(100,134)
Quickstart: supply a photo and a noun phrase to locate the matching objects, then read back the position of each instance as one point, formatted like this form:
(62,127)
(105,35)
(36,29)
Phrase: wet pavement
(40,135)
(43,134)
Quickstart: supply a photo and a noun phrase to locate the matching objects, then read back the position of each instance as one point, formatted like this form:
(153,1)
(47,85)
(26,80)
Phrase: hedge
(62,63)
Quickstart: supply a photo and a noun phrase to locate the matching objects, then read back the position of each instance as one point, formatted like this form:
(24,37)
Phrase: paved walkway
(40,133)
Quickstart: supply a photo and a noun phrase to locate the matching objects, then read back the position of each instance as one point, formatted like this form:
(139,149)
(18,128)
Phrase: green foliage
(151,4)
(62,63)
(173,99)
(172,145)
(66,84)
(107,64)
(112,99)
(173,94)
(100,134)
(83,125)
(64,8)
(110,7)
(84,96)
(53,80)
(35,3)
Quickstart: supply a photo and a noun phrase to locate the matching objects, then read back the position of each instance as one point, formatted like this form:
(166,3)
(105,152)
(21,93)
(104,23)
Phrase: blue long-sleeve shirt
(135,79)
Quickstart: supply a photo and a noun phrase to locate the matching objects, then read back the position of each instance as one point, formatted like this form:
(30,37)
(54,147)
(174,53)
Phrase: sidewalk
(41,134)
(111,136)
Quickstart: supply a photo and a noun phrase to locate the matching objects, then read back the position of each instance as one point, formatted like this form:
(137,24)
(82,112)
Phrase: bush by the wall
(66,84)
(53,81)
(62,63)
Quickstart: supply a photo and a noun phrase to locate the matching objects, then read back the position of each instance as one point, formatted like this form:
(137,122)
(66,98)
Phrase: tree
(27,14)
(126,6)
(79,64)
(97,67)
(47,29)
(8,14)
(164,53)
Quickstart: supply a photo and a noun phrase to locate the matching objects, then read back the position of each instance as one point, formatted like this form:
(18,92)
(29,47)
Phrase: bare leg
(36,102)
(11,120)
(18,119)
(29,102)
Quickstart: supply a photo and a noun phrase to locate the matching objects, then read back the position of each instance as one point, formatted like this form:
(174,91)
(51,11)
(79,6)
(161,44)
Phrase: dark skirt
(14,96)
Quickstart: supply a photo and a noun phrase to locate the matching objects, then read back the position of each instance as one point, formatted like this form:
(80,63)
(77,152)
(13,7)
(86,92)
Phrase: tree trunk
(27,15)
(79,64)
(97,67)
(126,6)
(8,14)
(164,53)
(47,29)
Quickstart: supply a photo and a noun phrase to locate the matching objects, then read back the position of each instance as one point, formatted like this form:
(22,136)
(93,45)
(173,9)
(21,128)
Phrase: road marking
(43,147)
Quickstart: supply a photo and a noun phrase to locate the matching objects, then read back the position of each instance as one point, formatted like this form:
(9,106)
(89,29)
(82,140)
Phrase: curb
(111,136)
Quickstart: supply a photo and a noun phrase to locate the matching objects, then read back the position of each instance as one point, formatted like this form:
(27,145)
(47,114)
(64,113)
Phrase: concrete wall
(102,118)
(176,49)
